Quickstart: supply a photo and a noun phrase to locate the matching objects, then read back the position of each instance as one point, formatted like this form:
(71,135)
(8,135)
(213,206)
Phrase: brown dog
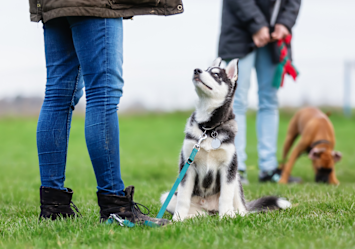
(317,139)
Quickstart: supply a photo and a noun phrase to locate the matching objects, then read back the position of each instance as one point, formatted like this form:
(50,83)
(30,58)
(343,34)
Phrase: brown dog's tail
(268,203)
(328,114)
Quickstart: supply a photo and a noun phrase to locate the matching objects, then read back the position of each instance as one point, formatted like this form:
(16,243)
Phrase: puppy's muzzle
(197,71)
(323,175)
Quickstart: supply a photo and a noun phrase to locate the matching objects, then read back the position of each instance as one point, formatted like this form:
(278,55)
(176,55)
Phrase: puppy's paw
(178,218)
(229,214)
(334,182)
(283,180)
(242,213)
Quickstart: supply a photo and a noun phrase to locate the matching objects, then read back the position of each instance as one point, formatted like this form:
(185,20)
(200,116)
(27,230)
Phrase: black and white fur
(212,183)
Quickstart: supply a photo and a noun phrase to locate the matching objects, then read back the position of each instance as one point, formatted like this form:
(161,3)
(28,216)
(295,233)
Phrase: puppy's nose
(197,71)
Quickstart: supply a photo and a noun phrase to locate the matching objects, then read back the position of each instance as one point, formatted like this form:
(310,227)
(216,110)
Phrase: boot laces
(76,208)
(135,208)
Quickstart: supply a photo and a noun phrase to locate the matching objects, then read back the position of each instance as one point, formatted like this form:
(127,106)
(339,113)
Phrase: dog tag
(216,143)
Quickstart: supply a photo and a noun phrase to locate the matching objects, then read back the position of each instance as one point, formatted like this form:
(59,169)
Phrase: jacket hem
(103,12)
(226,57)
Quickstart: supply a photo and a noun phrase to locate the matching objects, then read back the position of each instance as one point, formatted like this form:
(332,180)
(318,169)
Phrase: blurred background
(160,54)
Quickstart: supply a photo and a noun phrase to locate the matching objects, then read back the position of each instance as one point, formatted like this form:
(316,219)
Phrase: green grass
(323,216)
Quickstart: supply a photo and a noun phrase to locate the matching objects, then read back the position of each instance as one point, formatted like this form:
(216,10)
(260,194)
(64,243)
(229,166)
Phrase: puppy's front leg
(239,200)
(333,179)
(291,161)
(292,134)
(184,195)
(228,176)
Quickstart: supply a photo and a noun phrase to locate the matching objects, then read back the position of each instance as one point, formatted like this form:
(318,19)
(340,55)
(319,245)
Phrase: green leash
(183,171)
(189,161)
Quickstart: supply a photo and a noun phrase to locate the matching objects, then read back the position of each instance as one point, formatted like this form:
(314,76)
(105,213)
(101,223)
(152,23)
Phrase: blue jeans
(78,50)
(267,116)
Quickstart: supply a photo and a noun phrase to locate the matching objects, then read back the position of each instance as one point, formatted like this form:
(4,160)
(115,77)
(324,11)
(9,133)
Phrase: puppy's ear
(232,70)
(336,156)
(217,62)
(315,153)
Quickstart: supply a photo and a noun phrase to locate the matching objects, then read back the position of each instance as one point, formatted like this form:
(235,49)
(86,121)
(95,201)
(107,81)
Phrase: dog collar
(216,143)
(214,127)
(323,141)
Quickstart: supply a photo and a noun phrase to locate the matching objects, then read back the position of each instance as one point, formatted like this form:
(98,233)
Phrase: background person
(83,43)
(246,33)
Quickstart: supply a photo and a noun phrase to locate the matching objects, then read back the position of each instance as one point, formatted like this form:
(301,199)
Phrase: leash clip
(117,218)
(200,139)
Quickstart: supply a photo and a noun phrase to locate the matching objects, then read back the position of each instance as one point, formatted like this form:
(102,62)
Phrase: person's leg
(63,78)
(268,114)
(63,91)
(98,44)
(240,106)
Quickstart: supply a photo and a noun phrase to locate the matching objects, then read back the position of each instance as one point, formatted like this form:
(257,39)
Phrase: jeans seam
(70,111)
(105,111)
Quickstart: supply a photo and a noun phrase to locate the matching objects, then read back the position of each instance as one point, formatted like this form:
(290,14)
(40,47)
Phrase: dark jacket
(242,18)
(46,10)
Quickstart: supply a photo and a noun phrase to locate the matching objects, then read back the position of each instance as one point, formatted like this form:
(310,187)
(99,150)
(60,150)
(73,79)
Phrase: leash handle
(181,175)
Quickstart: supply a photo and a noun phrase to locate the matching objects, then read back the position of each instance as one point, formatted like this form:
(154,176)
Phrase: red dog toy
(285,65)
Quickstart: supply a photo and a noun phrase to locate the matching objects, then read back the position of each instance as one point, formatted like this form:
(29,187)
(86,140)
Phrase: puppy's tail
(268,203)
(172,205)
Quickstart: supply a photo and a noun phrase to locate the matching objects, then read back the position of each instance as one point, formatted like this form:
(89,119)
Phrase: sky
(160,54)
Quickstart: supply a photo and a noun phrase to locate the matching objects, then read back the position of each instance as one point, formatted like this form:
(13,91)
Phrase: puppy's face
(324,165)
(324,161)
(216,83)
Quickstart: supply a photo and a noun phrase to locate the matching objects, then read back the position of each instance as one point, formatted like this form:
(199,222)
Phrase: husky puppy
(212,184)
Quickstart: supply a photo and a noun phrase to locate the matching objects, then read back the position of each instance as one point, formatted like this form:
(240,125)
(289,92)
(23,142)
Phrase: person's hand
(280,32)
(262,37)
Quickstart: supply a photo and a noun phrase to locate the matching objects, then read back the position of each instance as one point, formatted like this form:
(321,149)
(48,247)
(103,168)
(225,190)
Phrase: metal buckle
(118,219)
(201,138)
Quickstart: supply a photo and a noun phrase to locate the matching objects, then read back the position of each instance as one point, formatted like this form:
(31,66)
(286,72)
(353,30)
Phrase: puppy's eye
(216,75)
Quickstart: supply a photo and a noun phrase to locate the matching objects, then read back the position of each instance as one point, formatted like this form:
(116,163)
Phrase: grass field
(322,217)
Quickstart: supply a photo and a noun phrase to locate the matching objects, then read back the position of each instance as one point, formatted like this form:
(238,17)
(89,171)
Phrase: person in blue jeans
(84,48)
(249,31)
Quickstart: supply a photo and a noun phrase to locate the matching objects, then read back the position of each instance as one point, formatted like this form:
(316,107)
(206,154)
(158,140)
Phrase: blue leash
(181,175)
(189,161)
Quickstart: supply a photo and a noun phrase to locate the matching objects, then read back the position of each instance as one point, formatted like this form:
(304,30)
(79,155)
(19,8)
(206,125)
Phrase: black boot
(275,175)
(125,208)
(55,202)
